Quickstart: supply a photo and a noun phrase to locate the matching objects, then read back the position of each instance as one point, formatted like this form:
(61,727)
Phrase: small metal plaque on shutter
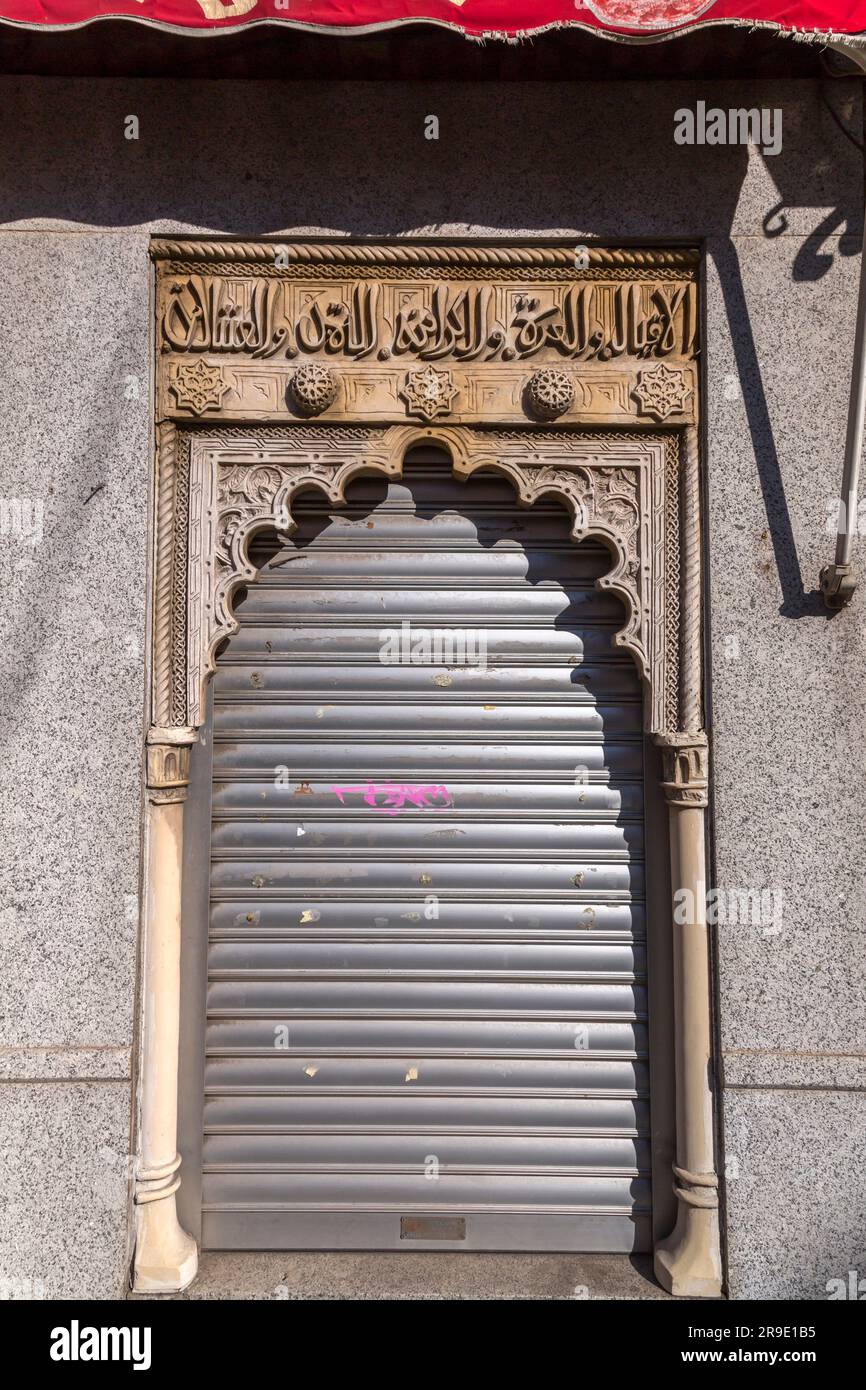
(432,1227)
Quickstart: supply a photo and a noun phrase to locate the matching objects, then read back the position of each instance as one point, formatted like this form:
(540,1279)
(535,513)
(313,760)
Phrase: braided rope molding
(516,274)
(577,437)
(672,580)
(416,254)
(691,703)
(166,559)
(311,436)
(178,605)
(314,436)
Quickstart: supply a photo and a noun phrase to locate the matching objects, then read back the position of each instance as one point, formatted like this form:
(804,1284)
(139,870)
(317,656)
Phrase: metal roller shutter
(427,1008)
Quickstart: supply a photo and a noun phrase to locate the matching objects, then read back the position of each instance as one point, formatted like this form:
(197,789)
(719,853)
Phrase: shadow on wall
(350,158)
(813,260)
(265,158)
(428,492)
(534,546)
(796,601)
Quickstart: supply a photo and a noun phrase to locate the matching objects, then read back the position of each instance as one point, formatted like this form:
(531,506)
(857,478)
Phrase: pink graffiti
(398,796)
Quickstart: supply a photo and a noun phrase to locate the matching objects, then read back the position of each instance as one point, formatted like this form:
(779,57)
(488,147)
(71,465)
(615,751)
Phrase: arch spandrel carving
(237,483)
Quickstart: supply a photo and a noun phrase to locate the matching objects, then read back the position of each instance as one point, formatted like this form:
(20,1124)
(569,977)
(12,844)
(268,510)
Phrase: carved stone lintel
(408,324)
(685,761)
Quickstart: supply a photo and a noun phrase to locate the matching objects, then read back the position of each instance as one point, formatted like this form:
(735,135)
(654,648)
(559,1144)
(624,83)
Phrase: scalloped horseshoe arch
(622,489)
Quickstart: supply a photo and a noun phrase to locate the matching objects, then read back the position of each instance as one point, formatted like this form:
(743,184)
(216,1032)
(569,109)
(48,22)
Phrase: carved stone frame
(615,440)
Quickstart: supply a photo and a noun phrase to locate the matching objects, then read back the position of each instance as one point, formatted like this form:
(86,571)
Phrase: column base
(688,1263)
(166,1257)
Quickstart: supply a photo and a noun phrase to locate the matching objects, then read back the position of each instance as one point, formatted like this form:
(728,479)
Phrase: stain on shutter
(427,1023)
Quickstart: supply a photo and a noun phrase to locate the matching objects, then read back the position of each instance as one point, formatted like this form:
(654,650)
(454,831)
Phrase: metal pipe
(839,580)
(856,419)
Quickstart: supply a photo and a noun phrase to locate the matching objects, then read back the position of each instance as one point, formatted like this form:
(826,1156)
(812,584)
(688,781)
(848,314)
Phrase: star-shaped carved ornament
(428,393)
(661,391)
(198,387)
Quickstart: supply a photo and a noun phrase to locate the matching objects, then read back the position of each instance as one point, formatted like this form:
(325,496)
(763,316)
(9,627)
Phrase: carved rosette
(428,393)
(550,393)
(313,388)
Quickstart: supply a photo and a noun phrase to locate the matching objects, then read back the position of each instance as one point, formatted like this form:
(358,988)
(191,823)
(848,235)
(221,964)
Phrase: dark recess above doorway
(120,48)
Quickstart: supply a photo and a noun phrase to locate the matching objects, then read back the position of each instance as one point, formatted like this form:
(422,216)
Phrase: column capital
(168,752)
(685,760)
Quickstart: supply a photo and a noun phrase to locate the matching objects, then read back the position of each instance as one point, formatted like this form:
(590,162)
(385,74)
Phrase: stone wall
(78,202)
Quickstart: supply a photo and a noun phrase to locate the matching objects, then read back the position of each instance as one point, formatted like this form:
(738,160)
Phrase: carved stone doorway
(570,372)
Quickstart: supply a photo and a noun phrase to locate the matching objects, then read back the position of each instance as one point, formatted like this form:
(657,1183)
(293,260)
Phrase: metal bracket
(838,583)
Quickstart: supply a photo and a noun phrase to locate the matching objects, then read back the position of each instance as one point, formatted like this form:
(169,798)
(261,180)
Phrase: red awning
(623,19)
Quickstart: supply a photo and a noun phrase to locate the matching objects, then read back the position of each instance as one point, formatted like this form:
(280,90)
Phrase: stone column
(166,1257)
(688,1262)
